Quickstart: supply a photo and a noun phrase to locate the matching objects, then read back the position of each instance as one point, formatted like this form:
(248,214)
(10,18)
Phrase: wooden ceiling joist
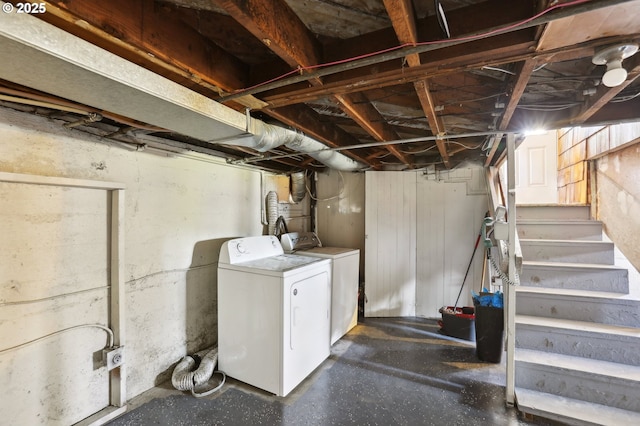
(290,40)
(404,24)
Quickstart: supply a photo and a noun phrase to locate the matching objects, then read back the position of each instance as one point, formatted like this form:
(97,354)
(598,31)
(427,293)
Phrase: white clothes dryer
(345,273)
(273,313)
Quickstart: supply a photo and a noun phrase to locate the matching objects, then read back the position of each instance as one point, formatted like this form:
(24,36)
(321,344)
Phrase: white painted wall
(390,244)
(617,199)
(340,210)
(451,207)
(420,233)
(178,212)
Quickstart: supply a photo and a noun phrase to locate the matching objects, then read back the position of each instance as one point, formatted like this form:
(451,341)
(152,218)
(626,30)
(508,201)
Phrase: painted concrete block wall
(618,199)
(178,212)
(49,250)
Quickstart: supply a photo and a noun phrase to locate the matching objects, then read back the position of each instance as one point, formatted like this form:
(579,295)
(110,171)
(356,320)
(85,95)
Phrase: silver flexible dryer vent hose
(185,378)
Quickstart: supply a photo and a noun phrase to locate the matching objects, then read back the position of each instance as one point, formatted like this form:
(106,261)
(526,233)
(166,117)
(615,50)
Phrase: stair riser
(584,344)
(610,280)
(553,212)
(574,252)
(561,231)
(612,311)
(613,392)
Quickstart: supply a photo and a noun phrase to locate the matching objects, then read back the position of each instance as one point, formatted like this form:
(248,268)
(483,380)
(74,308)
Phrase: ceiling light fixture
(612,57)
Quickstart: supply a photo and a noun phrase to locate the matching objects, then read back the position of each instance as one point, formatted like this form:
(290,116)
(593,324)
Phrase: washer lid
(330,252)
(277,264)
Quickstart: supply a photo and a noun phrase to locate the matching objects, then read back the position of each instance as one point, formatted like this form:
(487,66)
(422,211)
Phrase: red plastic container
(457,323)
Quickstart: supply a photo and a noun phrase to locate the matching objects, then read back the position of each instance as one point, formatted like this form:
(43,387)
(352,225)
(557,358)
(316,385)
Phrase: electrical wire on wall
(23,302)
(56,296)
(64,330)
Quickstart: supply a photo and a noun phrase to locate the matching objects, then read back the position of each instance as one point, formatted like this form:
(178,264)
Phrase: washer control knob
(241,248)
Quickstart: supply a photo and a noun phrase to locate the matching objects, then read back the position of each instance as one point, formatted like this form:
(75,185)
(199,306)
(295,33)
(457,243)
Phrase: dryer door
(308,331)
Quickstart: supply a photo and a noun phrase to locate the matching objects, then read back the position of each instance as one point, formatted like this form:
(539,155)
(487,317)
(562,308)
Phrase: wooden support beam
(367,116)
(137,30)
(518,46)
(150,35)
(523,75)
(290,40)
(404,24)
(278,27)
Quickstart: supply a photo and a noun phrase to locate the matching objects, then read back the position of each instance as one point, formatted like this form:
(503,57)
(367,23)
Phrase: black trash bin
(489,333)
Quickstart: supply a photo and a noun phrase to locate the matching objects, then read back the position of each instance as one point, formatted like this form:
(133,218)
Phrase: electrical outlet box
(500,230)
(113,357)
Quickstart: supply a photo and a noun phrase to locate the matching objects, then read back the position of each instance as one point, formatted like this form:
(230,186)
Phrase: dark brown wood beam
(503,49)
(617,112)
(524,71)
(281,30)
(487,32)
(367,116)
(404,24)
(152,36)
(278,27)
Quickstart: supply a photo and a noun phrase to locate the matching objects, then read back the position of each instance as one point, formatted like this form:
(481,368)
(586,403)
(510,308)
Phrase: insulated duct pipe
(265,137)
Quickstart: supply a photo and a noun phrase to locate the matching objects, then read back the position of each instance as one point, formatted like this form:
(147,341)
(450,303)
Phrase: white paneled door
(536,170)
(390,244)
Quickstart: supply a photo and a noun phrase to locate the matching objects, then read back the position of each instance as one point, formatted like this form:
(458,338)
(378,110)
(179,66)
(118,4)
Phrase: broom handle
(467,273)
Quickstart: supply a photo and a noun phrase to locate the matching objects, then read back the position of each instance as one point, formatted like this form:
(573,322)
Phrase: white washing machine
(273,313)
(344,277)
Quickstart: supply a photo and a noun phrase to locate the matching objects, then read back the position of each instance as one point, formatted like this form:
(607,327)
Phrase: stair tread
(578,325)
(573,292)
(563,408)
(557,221)
(568,292)
(573,265)
(562,205)
(567,242)
(585,365)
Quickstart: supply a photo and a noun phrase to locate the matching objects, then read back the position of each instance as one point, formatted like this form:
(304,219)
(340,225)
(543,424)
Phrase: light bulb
(615,75)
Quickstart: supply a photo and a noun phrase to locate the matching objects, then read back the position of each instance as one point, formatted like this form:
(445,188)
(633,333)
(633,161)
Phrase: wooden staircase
(577,357)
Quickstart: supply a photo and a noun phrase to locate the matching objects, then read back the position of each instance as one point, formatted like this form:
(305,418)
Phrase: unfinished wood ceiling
(368,72)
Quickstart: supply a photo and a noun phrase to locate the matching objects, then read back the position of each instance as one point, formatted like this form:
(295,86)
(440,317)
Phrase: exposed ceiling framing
(365,72)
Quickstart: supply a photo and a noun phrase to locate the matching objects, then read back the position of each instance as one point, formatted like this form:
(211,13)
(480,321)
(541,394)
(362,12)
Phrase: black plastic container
(489,324)
(458,323)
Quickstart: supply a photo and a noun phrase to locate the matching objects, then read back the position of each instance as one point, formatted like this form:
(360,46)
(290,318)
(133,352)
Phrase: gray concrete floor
(386,371)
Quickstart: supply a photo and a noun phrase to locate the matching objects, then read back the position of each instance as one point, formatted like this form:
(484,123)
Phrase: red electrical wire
(424,43)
